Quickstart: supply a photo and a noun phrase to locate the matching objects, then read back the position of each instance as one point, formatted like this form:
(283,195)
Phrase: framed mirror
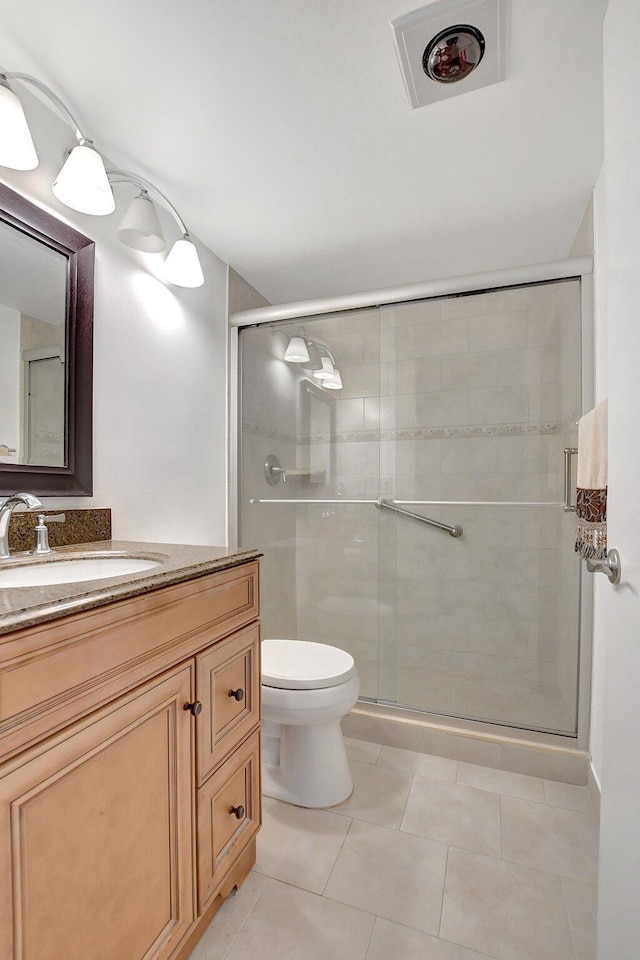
(46,352)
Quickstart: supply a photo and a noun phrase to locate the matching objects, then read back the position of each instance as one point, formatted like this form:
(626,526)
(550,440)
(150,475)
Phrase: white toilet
(306,690)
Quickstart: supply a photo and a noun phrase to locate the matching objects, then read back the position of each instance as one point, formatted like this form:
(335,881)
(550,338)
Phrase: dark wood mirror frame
(76,478)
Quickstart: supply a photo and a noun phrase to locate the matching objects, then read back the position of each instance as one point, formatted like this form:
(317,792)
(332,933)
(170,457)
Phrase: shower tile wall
(462,399)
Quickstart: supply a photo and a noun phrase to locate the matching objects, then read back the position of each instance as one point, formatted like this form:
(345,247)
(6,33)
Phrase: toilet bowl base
(313,770)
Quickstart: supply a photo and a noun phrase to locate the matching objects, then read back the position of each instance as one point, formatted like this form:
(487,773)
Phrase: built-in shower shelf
(316,476)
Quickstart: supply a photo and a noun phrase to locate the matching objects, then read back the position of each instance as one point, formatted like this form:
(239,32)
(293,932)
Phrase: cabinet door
(228,684)
(228,815)
(96,834)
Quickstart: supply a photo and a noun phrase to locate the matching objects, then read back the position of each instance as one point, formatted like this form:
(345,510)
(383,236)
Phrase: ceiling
(282,132)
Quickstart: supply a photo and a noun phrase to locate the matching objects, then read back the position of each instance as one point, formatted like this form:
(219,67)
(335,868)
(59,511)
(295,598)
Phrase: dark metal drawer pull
(237,694)
(239,811)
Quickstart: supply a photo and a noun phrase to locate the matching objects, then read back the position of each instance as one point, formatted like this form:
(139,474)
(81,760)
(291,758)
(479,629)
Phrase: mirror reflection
(33,293)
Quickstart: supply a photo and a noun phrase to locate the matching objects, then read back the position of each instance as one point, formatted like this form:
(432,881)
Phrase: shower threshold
(533,753)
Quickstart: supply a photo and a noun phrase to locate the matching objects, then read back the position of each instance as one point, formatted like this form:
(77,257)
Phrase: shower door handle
(568,453)
(454,530)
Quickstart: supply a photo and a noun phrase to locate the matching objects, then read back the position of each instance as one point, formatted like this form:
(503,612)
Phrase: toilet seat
(303,665)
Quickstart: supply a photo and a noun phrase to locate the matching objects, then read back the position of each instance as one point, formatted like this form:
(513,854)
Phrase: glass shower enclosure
(458,410)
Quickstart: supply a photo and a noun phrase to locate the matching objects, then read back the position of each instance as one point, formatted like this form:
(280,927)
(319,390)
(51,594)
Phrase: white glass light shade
(334,382)
(327,370)
(83,185)
(182,265)
(16,146)
(140,227)
(297,351)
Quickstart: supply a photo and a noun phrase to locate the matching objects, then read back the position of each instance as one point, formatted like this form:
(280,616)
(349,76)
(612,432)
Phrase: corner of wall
(583,242)
(240,295)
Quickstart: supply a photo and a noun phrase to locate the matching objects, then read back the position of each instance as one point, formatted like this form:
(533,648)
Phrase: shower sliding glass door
(316,523)
(458,410)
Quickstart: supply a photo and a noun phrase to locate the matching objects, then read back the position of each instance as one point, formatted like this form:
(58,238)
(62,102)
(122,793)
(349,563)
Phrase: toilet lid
(301,665)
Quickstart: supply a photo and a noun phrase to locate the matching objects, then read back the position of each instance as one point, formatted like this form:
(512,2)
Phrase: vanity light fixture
(141,230)
(182,265)
(297,351)
(327,371)
(16,148)
(140,227)
(84,184)
(328,374)
(334,382)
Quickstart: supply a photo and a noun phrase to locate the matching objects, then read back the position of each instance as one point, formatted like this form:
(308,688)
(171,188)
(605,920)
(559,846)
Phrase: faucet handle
(53,518)
(273,470)
(42,534)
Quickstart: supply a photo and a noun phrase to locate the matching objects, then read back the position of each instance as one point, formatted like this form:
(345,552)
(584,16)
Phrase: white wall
(619,933)
(159,370)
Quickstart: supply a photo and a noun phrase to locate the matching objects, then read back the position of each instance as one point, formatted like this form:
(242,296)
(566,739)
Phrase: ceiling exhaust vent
(451,47)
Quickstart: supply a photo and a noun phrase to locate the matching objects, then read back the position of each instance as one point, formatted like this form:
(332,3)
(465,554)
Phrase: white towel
(591,500)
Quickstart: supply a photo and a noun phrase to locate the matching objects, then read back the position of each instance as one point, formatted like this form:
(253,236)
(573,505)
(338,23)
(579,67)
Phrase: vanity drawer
(228,814)
(228,686)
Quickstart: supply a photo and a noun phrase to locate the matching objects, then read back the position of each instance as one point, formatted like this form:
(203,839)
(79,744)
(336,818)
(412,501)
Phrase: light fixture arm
(43,88)
(322,348)
(124,176)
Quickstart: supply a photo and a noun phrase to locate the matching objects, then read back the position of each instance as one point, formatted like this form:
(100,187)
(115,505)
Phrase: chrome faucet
(7,507)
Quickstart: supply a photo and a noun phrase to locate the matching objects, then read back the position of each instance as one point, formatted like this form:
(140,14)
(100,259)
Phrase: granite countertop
(26,606)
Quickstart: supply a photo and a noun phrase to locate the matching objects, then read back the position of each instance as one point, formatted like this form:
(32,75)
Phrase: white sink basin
(72,570)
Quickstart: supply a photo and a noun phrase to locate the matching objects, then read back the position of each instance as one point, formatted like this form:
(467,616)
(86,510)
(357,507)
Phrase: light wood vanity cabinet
(125,819)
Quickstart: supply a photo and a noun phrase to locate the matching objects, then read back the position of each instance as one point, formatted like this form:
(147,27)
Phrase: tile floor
(429,859)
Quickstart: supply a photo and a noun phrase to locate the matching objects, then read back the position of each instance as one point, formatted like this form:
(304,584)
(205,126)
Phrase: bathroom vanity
(129,754)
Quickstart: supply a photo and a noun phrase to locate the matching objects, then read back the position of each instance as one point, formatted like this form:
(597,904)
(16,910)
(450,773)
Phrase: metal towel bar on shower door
(454,530)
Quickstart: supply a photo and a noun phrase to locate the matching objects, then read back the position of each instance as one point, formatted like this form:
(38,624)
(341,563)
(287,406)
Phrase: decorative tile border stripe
(259,430)
(436,433)
(414,433)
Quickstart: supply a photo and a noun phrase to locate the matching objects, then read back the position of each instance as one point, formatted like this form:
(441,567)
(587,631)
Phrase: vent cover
(451,47)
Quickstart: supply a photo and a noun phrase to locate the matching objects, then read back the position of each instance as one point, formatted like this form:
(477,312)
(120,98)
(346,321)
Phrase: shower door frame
(576,268)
